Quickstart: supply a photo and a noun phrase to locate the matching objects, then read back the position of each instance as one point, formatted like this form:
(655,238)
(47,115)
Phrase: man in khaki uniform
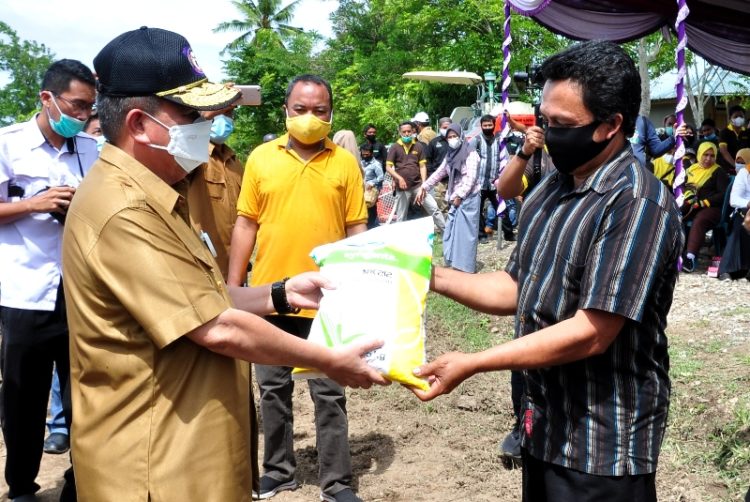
(160,395)
(214,189)
(212,203)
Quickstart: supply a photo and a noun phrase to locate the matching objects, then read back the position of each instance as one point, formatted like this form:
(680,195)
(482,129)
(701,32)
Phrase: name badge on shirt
(207,241)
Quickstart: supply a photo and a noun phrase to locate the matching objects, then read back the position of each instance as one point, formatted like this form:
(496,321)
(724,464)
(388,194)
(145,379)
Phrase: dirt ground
(404,450)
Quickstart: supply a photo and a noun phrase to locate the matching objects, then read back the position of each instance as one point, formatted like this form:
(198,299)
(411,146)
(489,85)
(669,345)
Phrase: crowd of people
(126,252)
(716,191)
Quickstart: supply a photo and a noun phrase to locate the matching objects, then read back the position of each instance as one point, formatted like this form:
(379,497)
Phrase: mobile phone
(250,95)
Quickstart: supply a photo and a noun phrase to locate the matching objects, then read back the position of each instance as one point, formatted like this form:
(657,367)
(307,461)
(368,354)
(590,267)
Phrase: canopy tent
(718,30)
(446,77)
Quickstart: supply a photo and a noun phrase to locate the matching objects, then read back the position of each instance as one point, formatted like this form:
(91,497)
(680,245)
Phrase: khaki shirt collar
(222,152)
(150,183)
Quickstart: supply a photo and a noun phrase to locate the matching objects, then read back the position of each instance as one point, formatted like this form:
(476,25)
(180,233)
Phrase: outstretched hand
(350,369)
(304,290)
(444,374)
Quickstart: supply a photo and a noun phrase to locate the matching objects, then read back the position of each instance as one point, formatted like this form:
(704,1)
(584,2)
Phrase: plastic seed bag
(382,277)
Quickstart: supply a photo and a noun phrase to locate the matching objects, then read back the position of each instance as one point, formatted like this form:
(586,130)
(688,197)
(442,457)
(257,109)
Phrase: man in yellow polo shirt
(160,396)
(298,192)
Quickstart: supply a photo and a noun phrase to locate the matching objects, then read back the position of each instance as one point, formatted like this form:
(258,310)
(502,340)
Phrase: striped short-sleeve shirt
(610,244)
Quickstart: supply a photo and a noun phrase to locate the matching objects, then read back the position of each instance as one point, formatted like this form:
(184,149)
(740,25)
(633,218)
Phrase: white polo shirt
(30,247)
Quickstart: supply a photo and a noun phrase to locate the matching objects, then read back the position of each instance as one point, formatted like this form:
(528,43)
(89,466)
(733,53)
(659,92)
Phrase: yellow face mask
(308,129)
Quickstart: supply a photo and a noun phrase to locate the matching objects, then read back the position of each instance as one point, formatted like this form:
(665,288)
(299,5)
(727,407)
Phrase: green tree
(25,63)
(264,23)
(376,41)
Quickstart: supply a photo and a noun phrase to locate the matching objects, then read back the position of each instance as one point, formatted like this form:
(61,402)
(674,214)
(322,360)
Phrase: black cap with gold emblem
(152,61)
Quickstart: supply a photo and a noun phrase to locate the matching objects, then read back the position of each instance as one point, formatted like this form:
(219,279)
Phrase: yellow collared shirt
(298,205)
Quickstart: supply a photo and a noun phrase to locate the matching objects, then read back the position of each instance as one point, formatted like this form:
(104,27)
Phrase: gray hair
(113,110)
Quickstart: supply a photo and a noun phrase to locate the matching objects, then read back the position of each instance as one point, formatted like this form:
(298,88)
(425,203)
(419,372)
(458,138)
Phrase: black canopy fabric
(717,30)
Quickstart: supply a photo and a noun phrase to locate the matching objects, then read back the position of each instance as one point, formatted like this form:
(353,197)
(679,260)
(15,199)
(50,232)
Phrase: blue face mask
(66,126)
(710,137)
(670,131)
(406,139)
(100,140)
(221,127)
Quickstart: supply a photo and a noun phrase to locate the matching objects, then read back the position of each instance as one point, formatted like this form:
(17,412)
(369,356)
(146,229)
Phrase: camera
(531,79)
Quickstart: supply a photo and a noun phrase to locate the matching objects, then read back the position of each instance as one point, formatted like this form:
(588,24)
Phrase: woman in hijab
(462,225)
(704,195)
(735,262)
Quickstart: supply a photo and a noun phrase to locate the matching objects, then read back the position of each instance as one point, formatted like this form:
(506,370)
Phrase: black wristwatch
(522,155)
(278,297)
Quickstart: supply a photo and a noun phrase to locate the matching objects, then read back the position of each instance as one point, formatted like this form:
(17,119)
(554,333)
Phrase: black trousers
(33,340)
(546,482)
(490,195)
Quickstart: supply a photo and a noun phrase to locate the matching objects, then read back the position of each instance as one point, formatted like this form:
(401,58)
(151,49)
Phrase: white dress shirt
(30,247)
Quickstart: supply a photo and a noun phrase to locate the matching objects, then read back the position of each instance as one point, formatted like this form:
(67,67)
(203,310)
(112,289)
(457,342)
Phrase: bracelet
(522,155)
(278,297)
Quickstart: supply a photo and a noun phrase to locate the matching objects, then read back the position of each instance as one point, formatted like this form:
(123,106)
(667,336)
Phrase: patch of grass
(700,325)
(684,362)
(714,346)
(732,453)
(737,311)
(469,330)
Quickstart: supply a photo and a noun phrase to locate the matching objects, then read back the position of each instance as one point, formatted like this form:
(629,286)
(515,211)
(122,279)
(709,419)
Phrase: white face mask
(668,158)
(188,143)
(454,142)
(443,131)
(738,121)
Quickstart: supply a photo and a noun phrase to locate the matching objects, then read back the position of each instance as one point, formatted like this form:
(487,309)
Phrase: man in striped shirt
(590,284)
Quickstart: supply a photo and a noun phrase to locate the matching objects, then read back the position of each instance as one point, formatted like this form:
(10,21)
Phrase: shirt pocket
(569,270)
(30,175)
(216,184)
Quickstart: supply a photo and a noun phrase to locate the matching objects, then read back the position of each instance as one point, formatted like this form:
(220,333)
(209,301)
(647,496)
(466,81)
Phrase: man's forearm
(588,333)
(12,211)
(493,293)
(510,181)
(240,249)
(356,229)
(256,300)
(245,336)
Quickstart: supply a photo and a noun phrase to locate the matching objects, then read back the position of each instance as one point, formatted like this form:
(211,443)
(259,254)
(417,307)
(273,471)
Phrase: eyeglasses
(77,105)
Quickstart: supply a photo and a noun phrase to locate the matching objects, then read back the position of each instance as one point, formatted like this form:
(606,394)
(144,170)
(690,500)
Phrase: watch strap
(522,155)
(279,299)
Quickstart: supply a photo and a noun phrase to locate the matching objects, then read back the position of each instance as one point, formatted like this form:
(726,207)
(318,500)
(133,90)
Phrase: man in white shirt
(42,161)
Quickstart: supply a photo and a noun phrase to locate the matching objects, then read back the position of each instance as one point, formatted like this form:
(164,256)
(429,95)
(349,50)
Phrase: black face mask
(370,137)
(366,158)
(487,132)
(571,147)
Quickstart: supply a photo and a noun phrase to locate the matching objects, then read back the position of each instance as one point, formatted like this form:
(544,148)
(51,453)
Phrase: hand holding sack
(390,264)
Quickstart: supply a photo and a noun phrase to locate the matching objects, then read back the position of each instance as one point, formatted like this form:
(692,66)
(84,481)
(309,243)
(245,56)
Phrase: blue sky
(78,29)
